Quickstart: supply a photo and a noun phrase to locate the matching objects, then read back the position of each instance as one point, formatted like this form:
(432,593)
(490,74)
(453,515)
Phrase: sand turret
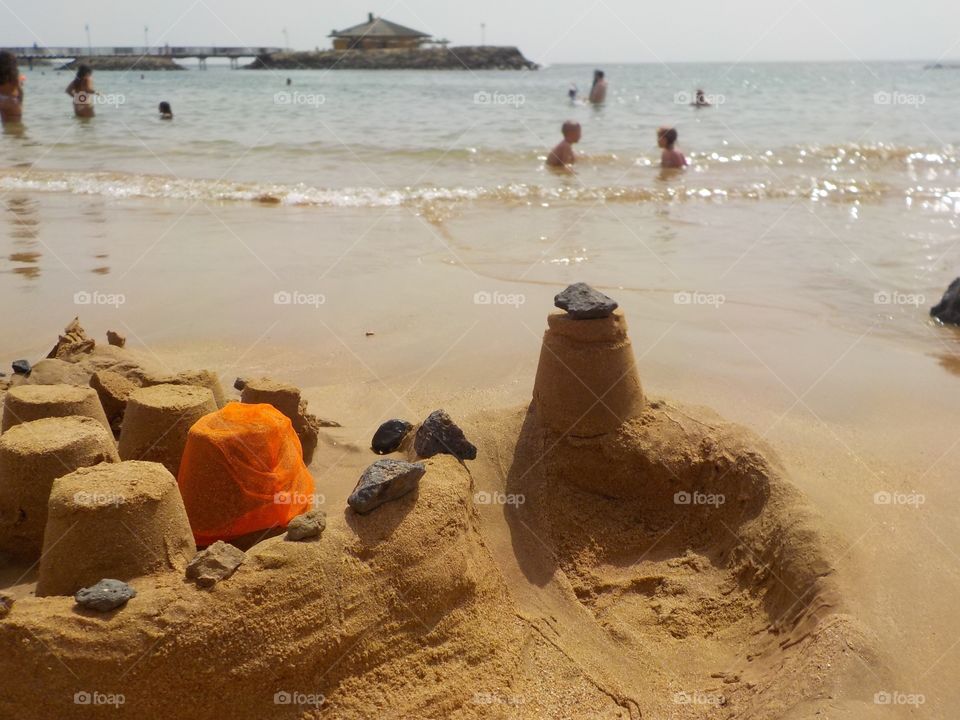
(587,382)
(33,402)
(32,456)
(113,520)
(157,420)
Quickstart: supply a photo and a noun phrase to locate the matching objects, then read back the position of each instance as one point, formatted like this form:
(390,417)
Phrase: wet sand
(857,400)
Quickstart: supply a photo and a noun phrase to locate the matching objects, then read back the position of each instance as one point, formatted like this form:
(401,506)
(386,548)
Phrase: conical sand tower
(587,383)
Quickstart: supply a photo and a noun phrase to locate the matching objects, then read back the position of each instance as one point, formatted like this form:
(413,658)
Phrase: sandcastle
(587,383)
(113,520)
(157,420)
(33,402)
(32,456)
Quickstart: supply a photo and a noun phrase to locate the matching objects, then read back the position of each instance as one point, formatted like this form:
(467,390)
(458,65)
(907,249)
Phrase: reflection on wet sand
(24,229)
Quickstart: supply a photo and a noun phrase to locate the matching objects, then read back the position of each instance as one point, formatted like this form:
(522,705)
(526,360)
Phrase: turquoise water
(848,131)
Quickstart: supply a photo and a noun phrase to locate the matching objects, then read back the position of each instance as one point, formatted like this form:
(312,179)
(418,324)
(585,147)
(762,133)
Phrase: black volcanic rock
(389,436)
(948,309)
(384,481)
(440,434)
(582,302)
(105,596)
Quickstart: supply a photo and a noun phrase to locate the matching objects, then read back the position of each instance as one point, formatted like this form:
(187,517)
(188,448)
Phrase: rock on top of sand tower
(157,419)
(582,302)
(114,520)
(33,402)
(32,456)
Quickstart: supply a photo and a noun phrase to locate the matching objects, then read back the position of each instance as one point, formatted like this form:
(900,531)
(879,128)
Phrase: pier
(201,53)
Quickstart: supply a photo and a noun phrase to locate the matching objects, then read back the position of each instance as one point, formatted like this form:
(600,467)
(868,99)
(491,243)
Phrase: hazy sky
(549,31)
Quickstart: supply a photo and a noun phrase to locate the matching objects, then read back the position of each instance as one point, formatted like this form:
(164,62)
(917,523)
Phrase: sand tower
(113,520)
(157,420)
(33,402)
(587,383)
(32,456)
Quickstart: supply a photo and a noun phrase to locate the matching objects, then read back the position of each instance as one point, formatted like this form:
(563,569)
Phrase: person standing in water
(701,100)
(82,92)
(598,91)
(166,112)
(11,89)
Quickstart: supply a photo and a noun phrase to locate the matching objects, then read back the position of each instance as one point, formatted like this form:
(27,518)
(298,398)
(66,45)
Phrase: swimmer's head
(165,110)
(666,137)
(8,67)
(571,131)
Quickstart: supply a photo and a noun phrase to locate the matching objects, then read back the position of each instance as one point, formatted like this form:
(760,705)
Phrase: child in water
(670,157)
(562,156)
(166,112)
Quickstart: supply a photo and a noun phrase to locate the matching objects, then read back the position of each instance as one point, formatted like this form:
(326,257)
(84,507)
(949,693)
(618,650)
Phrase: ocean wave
(688,188)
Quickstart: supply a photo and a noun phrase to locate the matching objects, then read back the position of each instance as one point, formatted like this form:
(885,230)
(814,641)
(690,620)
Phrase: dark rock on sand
(6,605)
(116,339)
(389,436)
(21,367)
(216,563)
(948,309)
(440,434)
(582,302)
(384,481)
(239,384)
(310,524)
(105,596)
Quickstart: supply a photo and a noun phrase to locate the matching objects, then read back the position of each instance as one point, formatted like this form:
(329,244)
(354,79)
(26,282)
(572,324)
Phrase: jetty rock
(472,57)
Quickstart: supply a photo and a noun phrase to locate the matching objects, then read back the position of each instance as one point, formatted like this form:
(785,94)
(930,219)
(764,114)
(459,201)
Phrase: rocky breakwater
(433,58)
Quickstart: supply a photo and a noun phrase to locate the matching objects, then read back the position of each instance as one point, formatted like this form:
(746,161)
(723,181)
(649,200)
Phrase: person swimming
(562,156)
(11,89)
(166,112)
(572,92)
(670,158)
(700,100)
(82,92)
(598,91)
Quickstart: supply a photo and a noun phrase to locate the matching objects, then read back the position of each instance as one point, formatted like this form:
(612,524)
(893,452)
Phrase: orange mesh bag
(242,471)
